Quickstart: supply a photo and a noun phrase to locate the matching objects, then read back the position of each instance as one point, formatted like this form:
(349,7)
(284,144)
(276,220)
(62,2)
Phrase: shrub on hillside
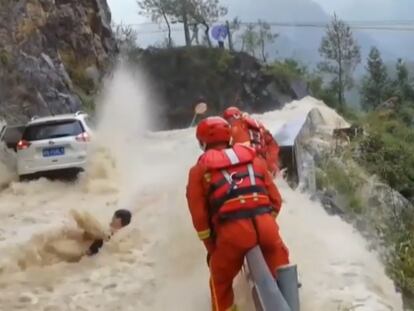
(344,179)
(388,151)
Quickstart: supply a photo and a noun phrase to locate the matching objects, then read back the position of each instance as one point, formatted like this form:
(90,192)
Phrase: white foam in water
(157,263)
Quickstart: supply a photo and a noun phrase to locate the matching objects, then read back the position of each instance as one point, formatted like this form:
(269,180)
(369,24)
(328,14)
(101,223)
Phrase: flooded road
(157,263)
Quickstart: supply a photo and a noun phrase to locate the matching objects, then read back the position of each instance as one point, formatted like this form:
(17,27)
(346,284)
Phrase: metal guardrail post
(287,281)
(266,293)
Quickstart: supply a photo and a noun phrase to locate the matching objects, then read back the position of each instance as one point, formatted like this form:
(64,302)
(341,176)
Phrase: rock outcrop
(181,76)
(326,168)
(52,54)
(332,175)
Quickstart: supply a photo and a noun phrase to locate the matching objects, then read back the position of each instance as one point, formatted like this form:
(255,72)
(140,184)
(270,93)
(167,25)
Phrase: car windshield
(53,129)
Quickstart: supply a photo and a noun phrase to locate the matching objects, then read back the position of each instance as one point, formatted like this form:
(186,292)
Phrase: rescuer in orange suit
(247,130)
(233,202)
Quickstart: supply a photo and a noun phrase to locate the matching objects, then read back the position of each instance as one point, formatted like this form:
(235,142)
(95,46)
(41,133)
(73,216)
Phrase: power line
(402,26)
(382,22)
(324,25)
(157,31)
(355,22)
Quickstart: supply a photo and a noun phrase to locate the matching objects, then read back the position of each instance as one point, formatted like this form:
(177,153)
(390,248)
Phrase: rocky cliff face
(52,55)
(181,76)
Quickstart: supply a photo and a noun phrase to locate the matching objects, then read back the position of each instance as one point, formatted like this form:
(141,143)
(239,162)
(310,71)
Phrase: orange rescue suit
(249,131)
(233,202)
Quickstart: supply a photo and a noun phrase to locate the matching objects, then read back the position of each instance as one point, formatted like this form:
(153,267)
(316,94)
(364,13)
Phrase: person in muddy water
(120,219)
(71,244)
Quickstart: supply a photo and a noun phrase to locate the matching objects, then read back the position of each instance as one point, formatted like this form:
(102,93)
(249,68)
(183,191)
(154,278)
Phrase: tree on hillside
(126,38)
(265,36)
(182,11)
(158,10)
(171,11)
(375,84)
(342,55)
(402,85)
(233,27)
(205,13)
(402,72)
(195,34)
(191,13)
(250,40)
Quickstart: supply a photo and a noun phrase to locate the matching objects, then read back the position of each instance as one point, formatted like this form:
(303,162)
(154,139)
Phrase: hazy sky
(370,9)
(125,11)
(357,10)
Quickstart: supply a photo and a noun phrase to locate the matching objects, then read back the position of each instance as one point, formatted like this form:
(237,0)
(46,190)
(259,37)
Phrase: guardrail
(266,293)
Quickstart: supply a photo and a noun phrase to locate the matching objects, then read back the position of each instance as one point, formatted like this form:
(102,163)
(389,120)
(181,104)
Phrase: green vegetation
(341,55)
(388,152)
(192,14)
(318,90)
(4,58)
(76,70)
(288,69)
(199,16)
(345,179)
(81,80)
(184,74)
(88,101)
(256,38)
(401,259)
(374,85)
(283,73)
(402,86)
(83,85)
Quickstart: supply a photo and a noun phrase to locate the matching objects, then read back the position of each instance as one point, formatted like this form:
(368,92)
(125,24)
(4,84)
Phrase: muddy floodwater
(157,263)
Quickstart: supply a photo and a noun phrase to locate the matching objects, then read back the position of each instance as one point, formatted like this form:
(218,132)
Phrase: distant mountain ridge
(302,43)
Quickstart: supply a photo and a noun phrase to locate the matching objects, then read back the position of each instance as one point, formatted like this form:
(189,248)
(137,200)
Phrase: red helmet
(232,112)
(213,130)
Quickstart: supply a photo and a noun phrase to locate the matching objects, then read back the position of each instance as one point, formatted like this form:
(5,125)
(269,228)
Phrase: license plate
(53,152)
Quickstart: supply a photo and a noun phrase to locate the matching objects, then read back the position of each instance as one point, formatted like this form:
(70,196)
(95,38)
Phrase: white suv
(56,143)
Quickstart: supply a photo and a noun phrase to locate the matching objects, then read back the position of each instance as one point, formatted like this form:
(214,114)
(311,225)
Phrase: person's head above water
(121,218)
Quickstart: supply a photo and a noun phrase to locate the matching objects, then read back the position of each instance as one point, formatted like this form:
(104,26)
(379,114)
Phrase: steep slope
(50,51)
(182,76)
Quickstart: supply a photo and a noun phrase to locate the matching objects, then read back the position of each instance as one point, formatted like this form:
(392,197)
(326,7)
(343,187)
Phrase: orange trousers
(234,240)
